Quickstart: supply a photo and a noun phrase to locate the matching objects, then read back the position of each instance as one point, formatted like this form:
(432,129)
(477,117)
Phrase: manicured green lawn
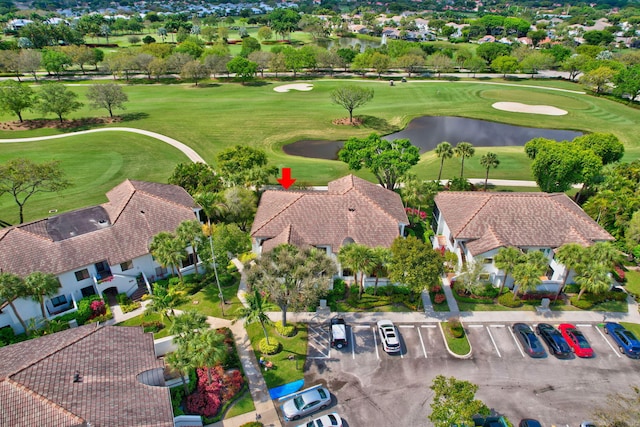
(289,363)
(145,318)
(207,301)
(243,405)
(460,345)
(633,281)
(219,115)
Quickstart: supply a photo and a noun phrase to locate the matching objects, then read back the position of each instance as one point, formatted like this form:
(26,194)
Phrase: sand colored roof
(350,208)
(37,386)
(117,231)
(491,220)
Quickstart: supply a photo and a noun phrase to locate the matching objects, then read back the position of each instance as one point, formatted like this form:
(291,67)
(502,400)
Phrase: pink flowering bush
(208,398)
(97,308)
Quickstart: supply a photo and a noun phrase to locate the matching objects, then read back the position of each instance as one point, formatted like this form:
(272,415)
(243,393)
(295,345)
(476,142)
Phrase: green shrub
(455,328)
(7,336)
(273,348)
(582,303)
(487,291)
(153,327)
(572,288)
(177,396)
(509,300)
(286,331)
(339,288)
(252,424)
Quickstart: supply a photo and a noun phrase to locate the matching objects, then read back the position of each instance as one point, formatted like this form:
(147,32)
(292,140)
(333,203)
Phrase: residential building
(351,210)
(99,376)
(97,249)
(475,225)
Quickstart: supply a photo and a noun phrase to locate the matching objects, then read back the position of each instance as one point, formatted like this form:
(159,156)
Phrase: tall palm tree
(12,287)
(190,233)
(571,256)
(208,350)
(444,151)
(164,300)
(187,324)
(488,161)
(212,204)
(527,276)
(507,259)
(168,251)
(181,361)
(381,257)
(40,285)
(358,258)
(593,278)
(254,312)
(464,150)
(604,253)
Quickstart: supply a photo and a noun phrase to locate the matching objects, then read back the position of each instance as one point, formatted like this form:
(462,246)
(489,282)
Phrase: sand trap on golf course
(295,86)
(516,107)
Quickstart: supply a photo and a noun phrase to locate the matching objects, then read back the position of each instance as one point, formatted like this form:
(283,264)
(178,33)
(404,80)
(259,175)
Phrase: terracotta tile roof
(37,387)
(136,212)
(491,220)
(350,208)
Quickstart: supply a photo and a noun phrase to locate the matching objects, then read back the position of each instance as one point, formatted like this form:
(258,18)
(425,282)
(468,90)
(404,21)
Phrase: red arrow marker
(286,181)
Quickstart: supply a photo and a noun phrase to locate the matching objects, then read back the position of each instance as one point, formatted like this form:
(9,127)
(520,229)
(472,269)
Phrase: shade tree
(351,97)
(108,96)
(57,99)
(16,97)
(454,402)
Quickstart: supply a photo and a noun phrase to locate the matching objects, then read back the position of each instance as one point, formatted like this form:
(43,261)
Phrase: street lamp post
(215,272)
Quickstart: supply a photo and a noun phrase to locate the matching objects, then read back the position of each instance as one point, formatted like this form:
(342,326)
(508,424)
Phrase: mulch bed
(345,121)
(55,123)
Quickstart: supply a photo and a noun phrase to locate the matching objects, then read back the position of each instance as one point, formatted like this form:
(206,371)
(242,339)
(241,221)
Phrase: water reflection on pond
(427,132)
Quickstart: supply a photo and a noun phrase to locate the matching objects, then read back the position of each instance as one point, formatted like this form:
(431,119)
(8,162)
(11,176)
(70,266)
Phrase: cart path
(186,150)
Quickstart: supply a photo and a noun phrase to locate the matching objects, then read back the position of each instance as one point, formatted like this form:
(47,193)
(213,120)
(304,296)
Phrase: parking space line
(608,342)
(359,326)
(428,326)
(406,326)
(475,326)
(494,342)
(583,325)
(353,345)
(375,341)
(424,350)
(517,343)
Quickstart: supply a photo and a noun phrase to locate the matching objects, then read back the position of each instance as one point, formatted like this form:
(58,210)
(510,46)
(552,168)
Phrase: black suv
(338,333)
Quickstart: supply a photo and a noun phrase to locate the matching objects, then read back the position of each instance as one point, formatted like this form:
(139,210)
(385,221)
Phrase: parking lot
(374,388)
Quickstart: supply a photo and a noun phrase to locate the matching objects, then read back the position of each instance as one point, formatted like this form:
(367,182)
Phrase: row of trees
(57,99)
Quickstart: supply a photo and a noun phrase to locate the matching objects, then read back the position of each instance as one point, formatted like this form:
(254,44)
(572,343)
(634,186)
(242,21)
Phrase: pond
(428,131)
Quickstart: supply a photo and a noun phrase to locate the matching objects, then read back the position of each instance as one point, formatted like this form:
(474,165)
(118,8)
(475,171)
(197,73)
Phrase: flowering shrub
(97,308)
(415,214)
(439,298)
(208,398)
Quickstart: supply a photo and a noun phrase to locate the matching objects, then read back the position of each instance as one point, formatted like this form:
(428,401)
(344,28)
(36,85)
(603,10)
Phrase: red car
(576,340)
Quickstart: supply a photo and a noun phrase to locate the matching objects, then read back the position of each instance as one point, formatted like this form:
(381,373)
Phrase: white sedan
(330,420)
(389,336)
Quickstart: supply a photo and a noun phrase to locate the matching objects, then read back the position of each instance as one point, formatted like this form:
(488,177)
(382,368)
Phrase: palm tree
(570,255)
(444,151)
(212,204)
(254,312)
(464,150)
(167,251)
(186,325)
(381,257)
(180,361)
(190,233)
(11,288)
(593,278)
(527,276)
(208,350)
(507,259)
(358,258)
(164,300)
(40,285)
(604,253)
(488,161)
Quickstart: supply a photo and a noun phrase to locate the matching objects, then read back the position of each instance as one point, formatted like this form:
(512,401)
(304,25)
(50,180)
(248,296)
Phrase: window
(487,261)
(82,275)
(347,272)
(88,291)
(186,262)
(484,277)
(160,271)
(126,266)
(59,300)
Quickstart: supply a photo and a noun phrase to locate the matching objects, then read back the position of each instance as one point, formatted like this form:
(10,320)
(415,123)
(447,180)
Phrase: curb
(446,344)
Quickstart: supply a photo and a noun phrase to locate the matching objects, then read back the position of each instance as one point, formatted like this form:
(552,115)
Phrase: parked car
(530,343)
(576,340)
(528,422)
(588,424)
(556,343)
(306,402)
(627,342)
(389,336)
(329,420)
(338,333)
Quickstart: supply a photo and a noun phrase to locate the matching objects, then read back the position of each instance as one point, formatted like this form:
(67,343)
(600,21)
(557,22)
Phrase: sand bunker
(516,107)
(295,86)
